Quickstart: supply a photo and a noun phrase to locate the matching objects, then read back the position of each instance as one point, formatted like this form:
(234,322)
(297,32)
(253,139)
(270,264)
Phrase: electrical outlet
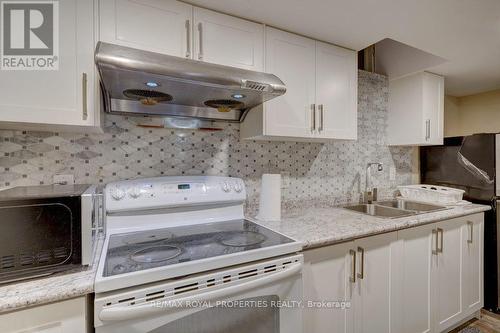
(64,179)
(392,173)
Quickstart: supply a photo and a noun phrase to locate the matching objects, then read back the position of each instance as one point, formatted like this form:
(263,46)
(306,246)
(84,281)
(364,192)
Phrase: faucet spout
(370,191)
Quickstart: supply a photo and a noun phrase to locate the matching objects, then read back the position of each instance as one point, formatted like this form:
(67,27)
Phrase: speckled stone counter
(317,227)
(56,287)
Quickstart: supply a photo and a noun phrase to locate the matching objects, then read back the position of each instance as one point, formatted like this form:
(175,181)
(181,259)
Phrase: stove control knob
(237,187)
(225,187)
(119,269)
(135,192)
(117,193)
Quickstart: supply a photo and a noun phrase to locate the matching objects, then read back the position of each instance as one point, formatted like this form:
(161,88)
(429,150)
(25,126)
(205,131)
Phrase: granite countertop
(56,287)
(317,227)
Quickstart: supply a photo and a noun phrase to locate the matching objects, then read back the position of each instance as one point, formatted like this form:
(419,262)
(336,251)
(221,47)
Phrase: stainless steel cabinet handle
(427,129)
(85,113)
(188,39)
(352,278)
(440,233)
(471,235)
(313,117)
(361,274)
(320,108)
(200,34)
(435,236)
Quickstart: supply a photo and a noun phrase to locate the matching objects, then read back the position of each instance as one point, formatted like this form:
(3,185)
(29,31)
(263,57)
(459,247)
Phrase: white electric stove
(171,240)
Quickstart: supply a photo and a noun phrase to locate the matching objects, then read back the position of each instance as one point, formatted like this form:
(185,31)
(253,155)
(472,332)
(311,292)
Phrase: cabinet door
(227,40)
(472,247)
(372,292)
(416,105)
(326,278)
(406,122)
(57,97)
(433,108)
(447,286)
(66,316)
(411,307)
(292,59)
(336,92)
(162,26)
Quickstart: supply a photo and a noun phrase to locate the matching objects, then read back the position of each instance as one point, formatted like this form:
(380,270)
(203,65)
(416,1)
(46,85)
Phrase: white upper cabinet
(416,110)
(152,25)
(433,106)
(227,40)
(336,92)
(320,102)
(56,99)
(291,58)
(178,29)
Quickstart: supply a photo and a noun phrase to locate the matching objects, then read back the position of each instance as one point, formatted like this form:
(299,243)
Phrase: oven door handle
(137,311)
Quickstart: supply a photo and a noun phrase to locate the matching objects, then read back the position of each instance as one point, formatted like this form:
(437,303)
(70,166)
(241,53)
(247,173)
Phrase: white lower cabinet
(326,279)
(411,308)
(355,274)
(66,316)
(472,273)
(372,287)
(440,274)
(416,280)
(447,290)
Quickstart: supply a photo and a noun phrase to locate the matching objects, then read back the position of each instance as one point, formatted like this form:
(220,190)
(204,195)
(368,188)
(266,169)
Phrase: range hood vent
(146,83)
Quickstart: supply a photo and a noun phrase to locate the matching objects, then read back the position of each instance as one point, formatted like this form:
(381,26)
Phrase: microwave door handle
(119,313)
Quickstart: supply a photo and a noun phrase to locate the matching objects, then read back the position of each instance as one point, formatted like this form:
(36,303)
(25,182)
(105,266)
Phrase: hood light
(238,96)
(152,84)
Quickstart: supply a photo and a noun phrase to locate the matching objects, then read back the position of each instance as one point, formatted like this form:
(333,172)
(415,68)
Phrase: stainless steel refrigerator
(472,163)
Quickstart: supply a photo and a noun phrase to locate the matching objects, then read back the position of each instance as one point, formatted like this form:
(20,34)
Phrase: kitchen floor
(488,323)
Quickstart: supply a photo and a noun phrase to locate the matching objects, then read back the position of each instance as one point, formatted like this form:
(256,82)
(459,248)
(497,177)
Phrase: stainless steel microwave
(46,229)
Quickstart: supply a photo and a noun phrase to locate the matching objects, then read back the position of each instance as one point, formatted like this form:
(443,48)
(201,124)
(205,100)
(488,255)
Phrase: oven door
(265,297)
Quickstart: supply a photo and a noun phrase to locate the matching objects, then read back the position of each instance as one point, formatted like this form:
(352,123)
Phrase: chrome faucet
(370,191)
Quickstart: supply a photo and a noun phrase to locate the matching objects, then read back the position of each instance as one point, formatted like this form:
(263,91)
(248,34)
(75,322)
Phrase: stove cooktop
(142,250)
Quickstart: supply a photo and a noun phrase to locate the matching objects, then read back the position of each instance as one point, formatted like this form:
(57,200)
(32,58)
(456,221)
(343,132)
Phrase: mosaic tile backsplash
(332,172)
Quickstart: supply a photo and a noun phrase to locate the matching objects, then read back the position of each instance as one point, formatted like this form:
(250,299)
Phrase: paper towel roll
(270,198)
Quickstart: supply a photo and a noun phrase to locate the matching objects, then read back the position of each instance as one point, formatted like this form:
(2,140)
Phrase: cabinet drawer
(61,317)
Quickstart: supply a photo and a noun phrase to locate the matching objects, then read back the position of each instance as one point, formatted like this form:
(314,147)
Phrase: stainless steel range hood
(147,83)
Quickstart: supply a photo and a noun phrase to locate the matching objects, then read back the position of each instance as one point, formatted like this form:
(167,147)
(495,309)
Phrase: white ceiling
(464,32)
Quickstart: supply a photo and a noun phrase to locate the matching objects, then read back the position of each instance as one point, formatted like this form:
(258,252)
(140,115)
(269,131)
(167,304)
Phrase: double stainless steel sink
(395,208)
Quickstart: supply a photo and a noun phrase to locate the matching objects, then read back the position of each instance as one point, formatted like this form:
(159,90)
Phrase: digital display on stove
(183,187)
